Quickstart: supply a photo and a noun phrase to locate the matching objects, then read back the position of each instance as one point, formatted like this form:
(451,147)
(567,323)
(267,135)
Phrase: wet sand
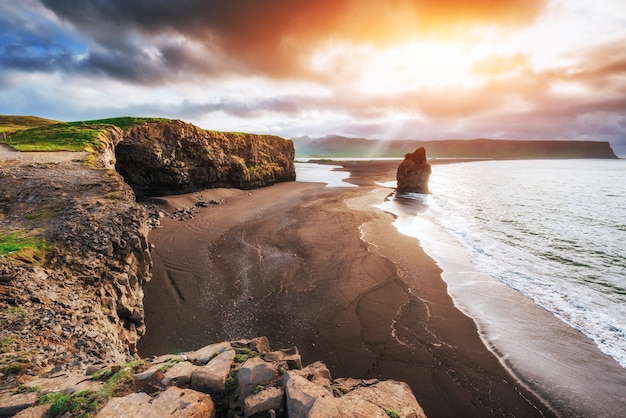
(321,269)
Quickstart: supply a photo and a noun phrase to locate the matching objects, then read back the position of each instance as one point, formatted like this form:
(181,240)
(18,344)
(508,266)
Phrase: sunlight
(417,65)
(400,67)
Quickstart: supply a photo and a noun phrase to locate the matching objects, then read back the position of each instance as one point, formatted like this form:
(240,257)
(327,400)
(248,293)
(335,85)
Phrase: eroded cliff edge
(83,299)
(177,157)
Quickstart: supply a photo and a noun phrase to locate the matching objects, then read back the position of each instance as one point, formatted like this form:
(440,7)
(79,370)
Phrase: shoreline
(548,355)
(321,269)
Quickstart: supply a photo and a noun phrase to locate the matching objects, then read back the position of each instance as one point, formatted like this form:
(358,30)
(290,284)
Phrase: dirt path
(9,154)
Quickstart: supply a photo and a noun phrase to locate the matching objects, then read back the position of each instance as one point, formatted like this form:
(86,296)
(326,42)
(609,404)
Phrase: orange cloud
(275,37)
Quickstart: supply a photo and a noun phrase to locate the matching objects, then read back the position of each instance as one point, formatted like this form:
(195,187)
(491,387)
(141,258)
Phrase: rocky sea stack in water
(413,173)
(174,157)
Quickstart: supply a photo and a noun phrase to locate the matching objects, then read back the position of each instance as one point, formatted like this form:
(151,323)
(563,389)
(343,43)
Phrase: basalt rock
(413,173)
(174,157)
(257,383)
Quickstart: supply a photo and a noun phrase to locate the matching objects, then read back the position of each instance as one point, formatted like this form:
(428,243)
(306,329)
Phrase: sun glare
(397,68)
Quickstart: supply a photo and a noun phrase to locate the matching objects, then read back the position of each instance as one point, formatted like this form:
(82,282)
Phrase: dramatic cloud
(272,37)
(387,69)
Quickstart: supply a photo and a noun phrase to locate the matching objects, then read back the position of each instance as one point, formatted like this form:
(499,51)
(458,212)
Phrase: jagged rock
(212,377)
(255,372)
(39,411)
(86,301)
(180,374)
(259,344)
(385,395)
(261,391)
(289,357)
(302,393)
(174,402)
(11,403)
(413,173)
(203,355)
(271,398)
(174,157)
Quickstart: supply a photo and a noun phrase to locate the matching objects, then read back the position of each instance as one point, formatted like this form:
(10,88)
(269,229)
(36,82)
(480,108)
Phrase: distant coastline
(344,147)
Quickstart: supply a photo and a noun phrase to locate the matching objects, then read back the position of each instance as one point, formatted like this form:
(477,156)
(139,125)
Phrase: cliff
(174,157)
(338,146)
(73,288)
(73,262)
(75,252)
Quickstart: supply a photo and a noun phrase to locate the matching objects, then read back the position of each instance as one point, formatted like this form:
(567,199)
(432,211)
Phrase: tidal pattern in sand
(553,230)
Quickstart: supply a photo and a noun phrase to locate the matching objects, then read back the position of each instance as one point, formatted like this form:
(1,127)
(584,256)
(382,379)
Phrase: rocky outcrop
(246,379)
(76,294)
(71,299)
(413,173)
(173,157)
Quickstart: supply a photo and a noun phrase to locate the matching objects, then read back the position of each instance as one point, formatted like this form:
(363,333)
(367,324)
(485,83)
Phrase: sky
(385,69)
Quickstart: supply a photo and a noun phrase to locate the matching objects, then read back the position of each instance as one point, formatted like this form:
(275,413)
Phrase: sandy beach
(322,269)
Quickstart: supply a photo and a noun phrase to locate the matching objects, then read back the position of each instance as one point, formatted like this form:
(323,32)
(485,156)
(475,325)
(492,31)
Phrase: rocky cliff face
(73,299)
(413,173)
(79,296)
(173,157)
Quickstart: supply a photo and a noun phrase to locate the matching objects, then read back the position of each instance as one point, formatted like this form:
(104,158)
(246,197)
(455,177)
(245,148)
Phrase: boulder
(413,173)
(268,399)
(303,388)
(180,374)
(255,372)
(212,377)
(174,402)
(388,395)
(203,355)
(289,358)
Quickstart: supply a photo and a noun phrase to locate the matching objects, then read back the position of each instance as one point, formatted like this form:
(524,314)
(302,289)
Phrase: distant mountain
(341,146)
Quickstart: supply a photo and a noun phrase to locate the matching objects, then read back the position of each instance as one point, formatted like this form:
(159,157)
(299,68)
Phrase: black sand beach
(321,269)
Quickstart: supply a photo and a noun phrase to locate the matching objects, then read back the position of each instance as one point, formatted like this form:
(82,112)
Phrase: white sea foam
(322,173)
(522,243)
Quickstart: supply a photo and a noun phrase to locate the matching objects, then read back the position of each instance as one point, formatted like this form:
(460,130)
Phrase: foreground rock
(174,157)
(413,173)
(246,379)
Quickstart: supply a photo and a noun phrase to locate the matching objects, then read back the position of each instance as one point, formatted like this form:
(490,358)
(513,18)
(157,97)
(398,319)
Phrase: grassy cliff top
(29,133)
(10,124)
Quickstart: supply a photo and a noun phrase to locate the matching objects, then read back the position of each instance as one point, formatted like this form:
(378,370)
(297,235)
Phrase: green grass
(24,247)
(65,136)
(241,358)
(81,404)
(27,389)
(391,413)
(121,382)
(58,137)
(88,402)
(122,122)
(10,123)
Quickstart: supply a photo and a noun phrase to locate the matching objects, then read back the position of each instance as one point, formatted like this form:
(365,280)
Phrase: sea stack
(413,173)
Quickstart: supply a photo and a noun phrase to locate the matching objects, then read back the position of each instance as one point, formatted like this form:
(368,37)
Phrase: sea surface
(535,252)
(553,230)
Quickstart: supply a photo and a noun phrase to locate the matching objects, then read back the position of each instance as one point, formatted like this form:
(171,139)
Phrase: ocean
(529,249)
(553,230)
(535,252)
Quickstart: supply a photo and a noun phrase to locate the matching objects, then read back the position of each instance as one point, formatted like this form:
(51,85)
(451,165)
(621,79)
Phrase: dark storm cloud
(30,43)
(271,37)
